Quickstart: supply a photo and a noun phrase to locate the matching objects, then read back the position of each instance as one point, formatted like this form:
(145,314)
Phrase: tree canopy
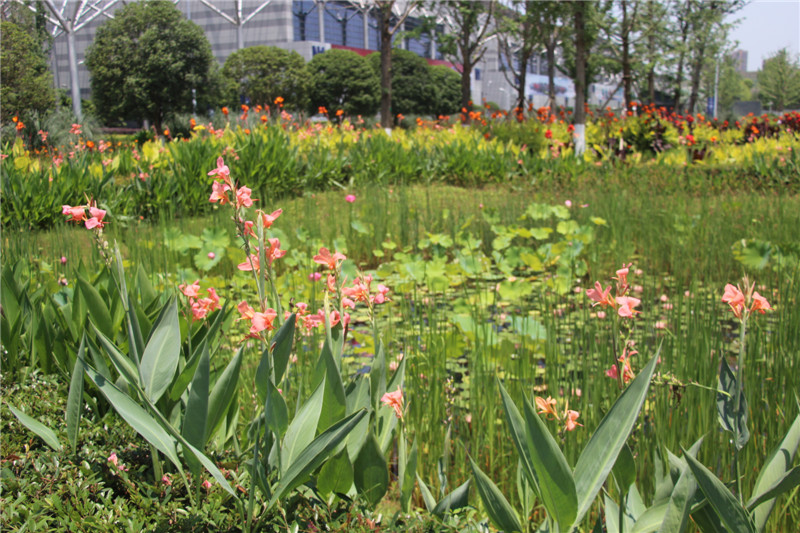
(26,83)
(779,82)
(412,85)
(145,63)
(262,73)
(341,79)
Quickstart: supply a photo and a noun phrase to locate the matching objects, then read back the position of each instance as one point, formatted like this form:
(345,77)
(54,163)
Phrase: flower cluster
(623,304)
(548,406)
(89,214)
(259,321)
(201,307)
(745,303)
(625,361)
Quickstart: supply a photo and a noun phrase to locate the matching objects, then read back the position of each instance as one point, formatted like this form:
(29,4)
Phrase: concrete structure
(739,60)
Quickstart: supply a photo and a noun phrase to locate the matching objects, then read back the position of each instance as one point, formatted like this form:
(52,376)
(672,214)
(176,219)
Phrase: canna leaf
(727,507)
(371,473)
(497,507)
(161,353)
(778,463)
(44,432)
(75,396)
(222,394)
(600,454)
(313,455)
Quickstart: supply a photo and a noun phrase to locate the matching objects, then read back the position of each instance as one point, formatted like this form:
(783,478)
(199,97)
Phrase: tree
(146,62)
(341,79)
(523,31)
(468,24)
(25,81)
(779,81)
(262,73)
(447,90)
(388,25)
(412,86)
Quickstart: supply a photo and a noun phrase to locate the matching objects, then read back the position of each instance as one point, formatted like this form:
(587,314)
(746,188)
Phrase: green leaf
(185,376)
(774,469)
(676,516)
(275,410)
(302,429)
(75,396)
(726,505)
(377,375)
(123,364)
(44,432)
(650,520)
(497,507)
(360,227)
(208,257)
(136,417)
(409,474)
(427,497)
(334,404)
(97,308)
(785,484)
(313,455)
(161,354)
(624,469)
(281,346)
(731,419)
(600,454)
(222,394)
(196,416)
(216,237)
(553,475)
(519,435)
(371,473)
(458,499)
(336,475)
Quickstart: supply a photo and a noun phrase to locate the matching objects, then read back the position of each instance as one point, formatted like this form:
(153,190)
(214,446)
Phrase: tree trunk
(626,52)
(386,67)
(466,86)
(651,72)
(550,52)
(697,71)
(580,78)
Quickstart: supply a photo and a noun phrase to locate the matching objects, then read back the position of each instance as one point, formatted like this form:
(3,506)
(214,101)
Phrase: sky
(765,27)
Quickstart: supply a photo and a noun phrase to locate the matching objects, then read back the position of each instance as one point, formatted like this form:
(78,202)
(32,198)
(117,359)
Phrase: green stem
(739,394)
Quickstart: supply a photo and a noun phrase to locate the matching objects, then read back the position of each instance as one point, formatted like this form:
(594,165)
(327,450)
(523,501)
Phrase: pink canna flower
(600,296)
(207,485)
(190,291)
(274,251)
(626,306)
(243,197)
(760,304)
(263,321)
(326,259)
(222,170)
(219,193)
(78,213)
(395,401)
(350,198)
(96,220)
(613,372)
(571,423)
(734,297)
(315,276)
(267,220)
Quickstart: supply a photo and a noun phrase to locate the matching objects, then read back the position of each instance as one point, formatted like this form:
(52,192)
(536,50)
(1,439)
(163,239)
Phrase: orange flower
(225,111)
(546,407)
(339,112)
(279,100)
